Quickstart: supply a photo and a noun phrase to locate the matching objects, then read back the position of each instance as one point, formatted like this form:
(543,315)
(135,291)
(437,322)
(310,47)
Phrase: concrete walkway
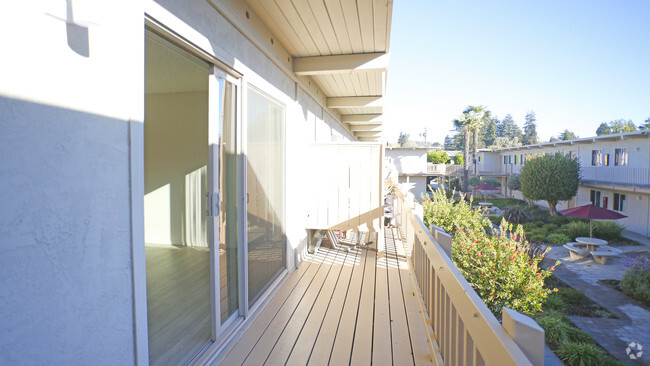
(633,323)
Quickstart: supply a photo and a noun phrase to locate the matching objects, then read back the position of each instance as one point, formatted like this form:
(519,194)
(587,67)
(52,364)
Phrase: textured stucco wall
(66,98)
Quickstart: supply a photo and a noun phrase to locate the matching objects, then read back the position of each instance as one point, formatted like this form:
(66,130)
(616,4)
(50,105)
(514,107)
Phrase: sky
(574,63)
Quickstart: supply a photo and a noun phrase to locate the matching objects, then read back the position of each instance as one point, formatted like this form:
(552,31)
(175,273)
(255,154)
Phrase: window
(596,157)
(521,159)
(620,157)
(619,202)
(516,159)
(605,201)
(505,159)
(606,160)
(594,197)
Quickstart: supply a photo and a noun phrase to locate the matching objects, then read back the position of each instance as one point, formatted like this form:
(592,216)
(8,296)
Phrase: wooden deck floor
(340,308)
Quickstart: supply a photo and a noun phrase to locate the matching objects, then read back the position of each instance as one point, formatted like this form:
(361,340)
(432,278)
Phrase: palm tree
(469,123)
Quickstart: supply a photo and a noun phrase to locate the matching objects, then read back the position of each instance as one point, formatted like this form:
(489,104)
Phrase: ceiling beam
(336,64)
(368,139)
(354,102)
(361,118)
(368,134)
(368,127)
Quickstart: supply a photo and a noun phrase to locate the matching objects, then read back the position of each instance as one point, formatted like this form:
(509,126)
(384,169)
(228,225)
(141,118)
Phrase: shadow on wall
(65,229)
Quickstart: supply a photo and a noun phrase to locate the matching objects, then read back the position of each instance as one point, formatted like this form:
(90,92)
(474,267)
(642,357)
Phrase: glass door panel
(265,191)
(176,160)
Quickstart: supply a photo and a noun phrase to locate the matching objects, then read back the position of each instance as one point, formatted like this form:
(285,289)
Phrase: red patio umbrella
(485,187)
(592,212)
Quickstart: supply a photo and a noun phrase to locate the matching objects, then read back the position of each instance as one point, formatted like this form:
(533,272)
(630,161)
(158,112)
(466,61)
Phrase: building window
(594,197)
(620,157)
(516,159)
(521,159)
(505,159)
(619,202)
(606,160)
(596,157)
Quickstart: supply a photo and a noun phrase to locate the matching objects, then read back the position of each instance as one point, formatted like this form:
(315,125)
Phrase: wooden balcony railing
(461,328)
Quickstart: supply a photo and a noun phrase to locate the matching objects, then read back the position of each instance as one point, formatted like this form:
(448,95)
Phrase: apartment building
(615,172)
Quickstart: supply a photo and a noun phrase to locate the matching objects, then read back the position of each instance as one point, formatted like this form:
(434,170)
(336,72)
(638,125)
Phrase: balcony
(407,306)
(635,179)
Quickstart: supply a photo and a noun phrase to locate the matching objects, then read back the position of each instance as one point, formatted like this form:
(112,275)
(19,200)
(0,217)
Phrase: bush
(539,238)
(576,229)
(559,220)
(555,329)
(554,303)
(494,219)
(581,354)
(500,270)
(608,230)
(459,159)
(450,215)
(475,182)
(515,215)
(438,157)
(514,183)
(636,284)
(557,239)
(578,335)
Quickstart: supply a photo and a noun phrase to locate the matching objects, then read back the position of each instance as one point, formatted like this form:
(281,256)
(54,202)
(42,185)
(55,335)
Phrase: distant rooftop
(585,140)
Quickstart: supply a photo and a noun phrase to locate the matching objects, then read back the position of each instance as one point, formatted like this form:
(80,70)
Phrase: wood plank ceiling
(342,45)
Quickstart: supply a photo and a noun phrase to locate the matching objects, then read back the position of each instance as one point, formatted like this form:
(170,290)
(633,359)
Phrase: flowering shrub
(450,215)
(639,262)
(500,270)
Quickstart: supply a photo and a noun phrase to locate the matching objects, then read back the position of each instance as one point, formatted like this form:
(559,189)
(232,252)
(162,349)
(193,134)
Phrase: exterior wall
(71,144)
(489,162)
(408,161)
(608,179)
(416,185)
(70,99)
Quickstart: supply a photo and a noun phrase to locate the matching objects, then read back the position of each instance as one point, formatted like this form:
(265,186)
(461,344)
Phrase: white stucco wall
(408,160)
(416,185)
(67,97)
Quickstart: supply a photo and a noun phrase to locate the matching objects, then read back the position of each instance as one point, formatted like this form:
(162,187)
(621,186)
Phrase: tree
(438,157)
(469,122)
(403,138)
(530,129)
(553,138)
(459,159)
(500,142)
(514,183)
(488,133)
(567,135)
(603,129)
(508,128)
(454,142)
(645,125)
(621,126)
(552,178)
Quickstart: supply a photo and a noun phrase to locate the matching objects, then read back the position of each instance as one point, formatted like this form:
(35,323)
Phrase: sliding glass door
(265,172)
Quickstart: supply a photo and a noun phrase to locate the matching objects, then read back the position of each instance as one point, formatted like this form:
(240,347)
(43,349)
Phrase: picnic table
(591,243)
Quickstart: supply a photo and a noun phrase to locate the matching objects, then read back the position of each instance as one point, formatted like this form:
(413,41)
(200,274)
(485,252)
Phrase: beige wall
(176,155)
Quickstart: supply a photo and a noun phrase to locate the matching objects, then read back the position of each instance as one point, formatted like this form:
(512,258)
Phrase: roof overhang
(342,48)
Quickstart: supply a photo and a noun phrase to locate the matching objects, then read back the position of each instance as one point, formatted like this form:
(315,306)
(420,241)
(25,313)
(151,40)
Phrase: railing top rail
(486,330)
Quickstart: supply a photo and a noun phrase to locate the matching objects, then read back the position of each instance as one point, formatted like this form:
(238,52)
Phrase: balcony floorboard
(340,308)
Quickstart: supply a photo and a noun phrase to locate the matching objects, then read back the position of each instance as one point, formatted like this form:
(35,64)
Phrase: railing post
(528,335)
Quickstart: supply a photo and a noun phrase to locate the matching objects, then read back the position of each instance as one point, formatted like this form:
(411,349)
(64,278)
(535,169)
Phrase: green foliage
(530,129)
(537,238)
(603,129)
(551,178)
(497,267)
(403,138)
(576,229)
(516,215)
(617,126)
(438,157)
(555,329)
(474,182)
(459,159)
(571,296)
(500,270)
(450,215)
(559,220)
(494,219)
(554,303)
(514,183)
(557,239)
(580,354)
(608,230)
(506,202)
(567,135)
(636,284)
